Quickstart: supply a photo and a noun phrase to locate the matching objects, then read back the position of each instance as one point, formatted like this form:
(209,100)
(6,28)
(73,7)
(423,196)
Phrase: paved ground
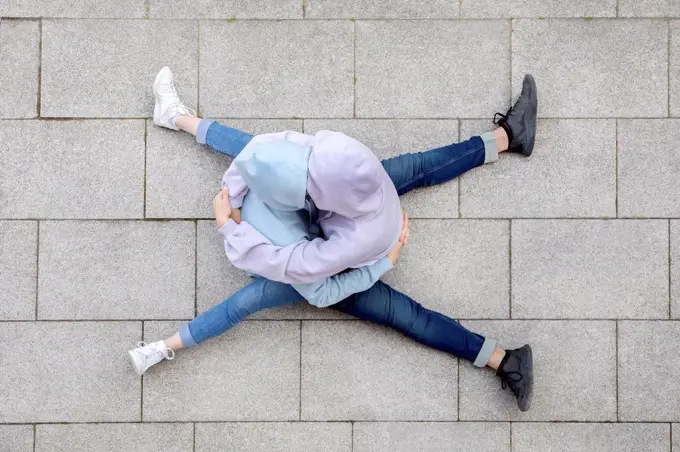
(106,236)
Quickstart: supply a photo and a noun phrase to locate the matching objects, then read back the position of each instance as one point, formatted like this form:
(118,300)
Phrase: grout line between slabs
(668,69)
(192,219)
(300,376)
(346,421)
(510,270)
(670,287)
(510,436)
(353,319)
(354,70)
(617,8)
(616,344)
(141,386)
(195,268)
(37,269)
(194,439)
(221,117)
(146,139)
(35,435)
(352,437)
(38,106)
(459,177)
(348,18)
(616,169)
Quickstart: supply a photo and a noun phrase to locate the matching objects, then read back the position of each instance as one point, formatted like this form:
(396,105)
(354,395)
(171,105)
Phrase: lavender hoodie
(359,213)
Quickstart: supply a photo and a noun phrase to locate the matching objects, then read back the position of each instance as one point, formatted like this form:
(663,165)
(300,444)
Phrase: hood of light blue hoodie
(277,172)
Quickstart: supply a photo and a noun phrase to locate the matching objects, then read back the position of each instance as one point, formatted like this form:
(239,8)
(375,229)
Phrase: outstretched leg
(516,133)
(256,296)
(383,305)
(170,112)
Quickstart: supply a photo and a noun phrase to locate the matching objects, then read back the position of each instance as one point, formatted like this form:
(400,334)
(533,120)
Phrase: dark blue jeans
(380,304)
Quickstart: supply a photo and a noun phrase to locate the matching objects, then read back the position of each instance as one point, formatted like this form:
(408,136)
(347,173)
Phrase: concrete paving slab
(116,270)
(106,68)
(18,269)
(76,8)
(560,370)
(626,64)
(537,8)
(229,378)
(262,69)
(72,169)
(649,390)
(384,9)
(75,372)
(589,269)
(115,438)
(457,267)
(562,178)
(17,438)
(20,60)
(433,69)
(275,437)
(354,370)
(230,9)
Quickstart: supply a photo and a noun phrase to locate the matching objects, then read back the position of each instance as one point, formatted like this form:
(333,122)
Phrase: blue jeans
(380,304)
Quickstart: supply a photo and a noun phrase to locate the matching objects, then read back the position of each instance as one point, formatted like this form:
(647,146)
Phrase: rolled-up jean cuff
(485,353)
(202,130)
(490,147)
(186,337)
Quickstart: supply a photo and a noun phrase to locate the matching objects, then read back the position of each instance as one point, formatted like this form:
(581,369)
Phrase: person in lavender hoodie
(318,217)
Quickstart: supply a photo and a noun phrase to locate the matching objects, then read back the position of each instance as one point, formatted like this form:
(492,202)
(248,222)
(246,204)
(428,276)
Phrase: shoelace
(167,352)
(501,116)
(507,381)
(179,104)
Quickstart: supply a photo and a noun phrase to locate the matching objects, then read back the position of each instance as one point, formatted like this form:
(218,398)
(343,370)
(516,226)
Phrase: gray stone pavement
(106,235)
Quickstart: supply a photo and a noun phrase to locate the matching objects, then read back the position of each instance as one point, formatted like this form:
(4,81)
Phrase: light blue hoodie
(277,206)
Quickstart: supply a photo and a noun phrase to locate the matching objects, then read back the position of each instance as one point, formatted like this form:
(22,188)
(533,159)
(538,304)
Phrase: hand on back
(393,255)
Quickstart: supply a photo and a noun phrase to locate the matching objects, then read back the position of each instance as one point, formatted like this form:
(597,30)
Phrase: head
(345,177)
(276,171)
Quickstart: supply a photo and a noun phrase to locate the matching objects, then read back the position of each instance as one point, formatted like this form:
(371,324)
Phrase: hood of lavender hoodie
(359,209)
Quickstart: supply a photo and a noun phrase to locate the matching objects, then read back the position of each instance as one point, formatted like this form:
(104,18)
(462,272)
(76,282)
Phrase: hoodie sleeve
(336,288)
(302,262)
(236,186)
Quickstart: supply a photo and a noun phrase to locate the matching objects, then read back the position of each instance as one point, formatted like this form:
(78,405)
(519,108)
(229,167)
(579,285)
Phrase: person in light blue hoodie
(279,206)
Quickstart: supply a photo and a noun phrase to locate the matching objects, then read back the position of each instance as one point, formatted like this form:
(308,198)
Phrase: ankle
(502,139)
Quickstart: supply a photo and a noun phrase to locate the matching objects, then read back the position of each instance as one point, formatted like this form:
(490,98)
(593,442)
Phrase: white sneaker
(147,355)
(168,105)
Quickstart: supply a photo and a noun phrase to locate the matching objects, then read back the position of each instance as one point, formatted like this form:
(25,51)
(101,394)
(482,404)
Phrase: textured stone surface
(421,69)
(674,62)
(354,370)
(625,65)
(675,269)
(276,69)
(537,437)
(457,267)
(114,438)
(20,60)
(250,373)
(116,270)
(648,163)
(105,68)
(562,178)
(218,279)
(589,269)
(649,8)
(649,353)
(229,9)
(182,176)
(68,372)
(72,169)
(75,8)
(18,251)
(384,9)
(432,437)
(392,137)
(16,438)
(561,370)
(274,437)
(538,8)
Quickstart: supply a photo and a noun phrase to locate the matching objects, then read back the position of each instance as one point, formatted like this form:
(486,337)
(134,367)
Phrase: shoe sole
(530,122)
(525,403)
(135,364)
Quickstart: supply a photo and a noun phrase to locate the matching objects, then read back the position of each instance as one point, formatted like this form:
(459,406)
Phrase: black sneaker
(516,373)
(520,121)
